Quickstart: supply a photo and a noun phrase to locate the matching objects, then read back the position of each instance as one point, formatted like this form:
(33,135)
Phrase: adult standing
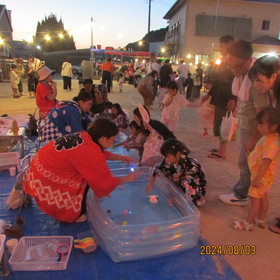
(153,67)
(34,64)
(165,72)
(145,88)
(199,81)
(182,70)
(67,74)
(107,72)
(20,72)
(62,171)
(137,71)
(250,102)
(46,91)
(221,95)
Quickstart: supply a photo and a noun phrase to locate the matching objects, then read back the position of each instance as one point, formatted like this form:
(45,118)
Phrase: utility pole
(149,17)
(91,43)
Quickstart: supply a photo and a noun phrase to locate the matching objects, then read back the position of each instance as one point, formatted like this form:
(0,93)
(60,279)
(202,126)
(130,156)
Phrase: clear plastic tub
(18,258)
(129,227)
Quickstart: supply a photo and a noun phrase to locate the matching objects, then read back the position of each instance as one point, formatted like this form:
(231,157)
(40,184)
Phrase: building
(196,25)
(6,31)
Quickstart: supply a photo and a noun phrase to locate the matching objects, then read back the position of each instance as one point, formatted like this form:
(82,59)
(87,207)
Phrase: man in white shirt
(182,70)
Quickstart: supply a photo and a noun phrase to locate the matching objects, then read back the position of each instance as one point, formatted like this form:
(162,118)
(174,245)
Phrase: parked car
(76,69)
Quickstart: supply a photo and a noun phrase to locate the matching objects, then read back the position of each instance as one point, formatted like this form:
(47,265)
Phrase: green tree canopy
(59,39)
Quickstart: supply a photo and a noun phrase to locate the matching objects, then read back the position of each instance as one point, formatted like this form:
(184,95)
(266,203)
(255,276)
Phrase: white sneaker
(230,198)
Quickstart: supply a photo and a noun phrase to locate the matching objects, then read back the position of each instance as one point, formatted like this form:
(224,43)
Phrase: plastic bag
(228,126)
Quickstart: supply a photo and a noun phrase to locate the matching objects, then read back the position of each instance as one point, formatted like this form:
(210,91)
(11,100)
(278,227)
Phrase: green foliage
(52,27)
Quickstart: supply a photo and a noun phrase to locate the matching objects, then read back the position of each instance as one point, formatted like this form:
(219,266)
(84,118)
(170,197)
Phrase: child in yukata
(262,162)
(186,173)
(172,103)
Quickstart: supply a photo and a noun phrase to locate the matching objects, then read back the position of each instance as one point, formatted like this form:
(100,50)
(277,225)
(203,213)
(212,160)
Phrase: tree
(153,36)
(52,36)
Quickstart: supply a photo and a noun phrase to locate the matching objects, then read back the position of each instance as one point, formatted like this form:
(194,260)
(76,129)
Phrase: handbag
(228,126)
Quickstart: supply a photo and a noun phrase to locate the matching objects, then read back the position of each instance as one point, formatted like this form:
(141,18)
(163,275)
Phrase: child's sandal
(260,223)
(242,225)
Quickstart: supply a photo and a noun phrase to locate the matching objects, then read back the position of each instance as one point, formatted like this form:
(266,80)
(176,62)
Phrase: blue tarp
(96,265)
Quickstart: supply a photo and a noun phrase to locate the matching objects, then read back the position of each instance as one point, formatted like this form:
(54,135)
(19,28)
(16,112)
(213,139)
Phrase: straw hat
(45,72)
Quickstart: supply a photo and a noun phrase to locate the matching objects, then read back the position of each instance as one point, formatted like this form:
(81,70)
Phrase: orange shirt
(107,66)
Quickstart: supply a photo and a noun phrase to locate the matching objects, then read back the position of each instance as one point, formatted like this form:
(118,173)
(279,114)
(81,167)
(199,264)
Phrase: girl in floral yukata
(120,117)
(185,172)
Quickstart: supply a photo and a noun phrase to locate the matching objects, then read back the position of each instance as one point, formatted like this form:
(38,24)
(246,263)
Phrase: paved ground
(221,175)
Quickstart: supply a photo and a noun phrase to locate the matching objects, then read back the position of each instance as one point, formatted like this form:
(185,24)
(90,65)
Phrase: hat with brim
(44,73)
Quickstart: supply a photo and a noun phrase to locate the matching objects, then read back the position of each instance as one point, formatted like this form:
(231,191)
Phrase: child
(119,117)
(189,84)
(185,172)
(107,110)
(14,80)
(136,140)
(121,81)
(206,115)
(262,162)
(31,83)
(161,95)
(172,103)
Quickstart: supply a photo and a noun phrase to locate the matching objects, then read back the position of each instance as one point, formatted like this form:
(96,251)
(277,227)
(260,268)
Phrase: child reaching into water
(262,162)
(185,172)
(136,140)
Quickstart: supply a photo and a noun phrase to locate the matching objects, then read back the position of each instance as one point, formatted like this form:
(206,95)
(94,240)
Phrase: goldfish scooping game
(132,224)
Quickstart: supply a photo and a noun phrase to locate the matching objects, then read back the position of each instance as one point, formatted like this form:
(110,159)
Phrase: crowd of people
(240,85)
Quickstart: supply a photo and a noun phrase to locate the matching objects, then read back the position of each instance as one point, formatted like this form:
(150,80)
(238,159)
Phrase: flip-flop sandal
(242,225)
(274,229)
(260,223)
(215,155)
(213,150)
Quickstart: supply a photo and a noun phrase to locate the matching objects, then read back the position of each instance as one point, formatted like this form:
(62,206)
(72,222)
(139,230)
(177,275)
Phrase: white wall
(203,45)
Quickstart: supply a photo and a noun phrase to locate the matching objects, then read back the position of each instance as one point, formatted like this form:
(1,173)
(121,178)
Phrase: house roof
(266,40)
(5,16)
(179,3)
(176,6)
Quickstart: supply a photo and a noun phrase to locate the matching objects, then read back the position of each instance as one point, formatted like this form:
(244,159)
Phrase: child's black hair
(161,84)
(172,146)
(172,85)
(135,125)
(270,116)
(119,109)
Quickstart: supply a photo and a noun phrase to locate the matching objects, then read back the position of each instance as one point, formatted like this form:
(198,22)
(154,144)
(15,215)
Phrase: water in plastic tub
(128,226)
